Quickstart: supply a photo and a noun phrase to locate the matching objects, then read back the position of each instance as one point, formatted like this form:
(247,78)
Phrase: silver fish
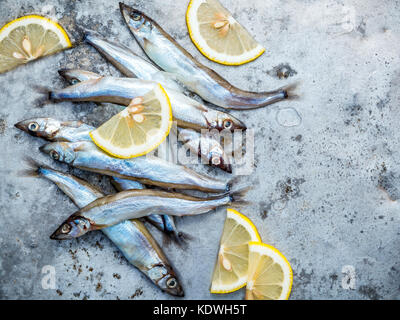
(55,130)
(130,64)
(145,169)
(133,204)
(188,112)
(164,51)
(164,223)
(73,131)
(207,147)
(130,236)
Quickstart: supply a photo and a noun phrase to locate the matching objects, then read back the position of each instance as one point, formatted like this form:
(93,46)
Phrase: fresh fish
(130,236)
(145,169)
(164,223)
(130,64)
(55,130)
(73,131)
(164,51)
(207,146)
(133,204)
(74,76)
(188,112)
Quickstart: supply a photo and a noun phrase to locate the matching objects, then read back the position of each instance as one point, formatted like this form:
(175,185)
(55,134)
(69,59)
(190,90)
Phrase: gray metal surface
(326,192)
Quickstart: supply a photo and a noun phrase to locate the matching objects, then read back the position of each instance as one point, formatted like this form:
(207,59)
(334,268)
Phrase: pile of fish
(119,215)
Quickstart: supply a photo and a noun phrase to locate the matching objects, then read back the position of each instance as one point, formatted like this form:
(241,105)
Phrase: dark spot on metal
(369,292)
(2,126)
(98,287)
(282,71)
(137,293)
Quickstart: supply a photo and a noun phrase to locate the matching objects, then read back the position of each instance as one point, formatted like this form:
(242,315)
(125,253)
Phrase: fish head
(139,24)
(74,76)
(60,151)
(170,284)
(45,128)
(219,159)
(74,227)
(228,122)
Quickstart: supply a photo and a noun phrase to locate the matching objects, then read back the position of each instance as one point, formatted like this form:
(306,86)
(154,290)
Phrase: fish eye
(136,16)
(172,283)
(33,126)
(54,155)
(66,228)
(216,161)
(227,124)
(74,81)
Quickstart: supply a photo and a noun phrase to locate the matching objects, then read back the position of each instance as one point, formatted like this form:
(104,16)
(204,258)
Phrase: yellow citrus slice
(230,271)
(29,38)
(137,129)
(218,35)
(270,276)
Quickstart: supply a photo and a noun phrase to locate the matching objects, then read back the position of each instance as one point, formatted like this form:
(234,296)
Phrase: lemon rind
(232,213)
(222,291)
(212,58)
(34,16)
(253,244)
(147,150)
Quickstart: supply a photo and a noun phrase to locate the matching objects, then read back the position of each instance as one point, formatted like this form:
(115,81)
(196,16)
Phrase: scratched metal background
(325,191)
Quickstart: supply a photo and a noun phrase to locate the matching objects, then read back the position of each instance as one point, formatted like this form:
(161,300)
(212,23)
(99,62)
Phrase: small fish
(207,146)
(149,170)
(130,236)
(73,131)
(188,112)
(55,130)
(133,204)
(164,223)
(164,51)
(130,64)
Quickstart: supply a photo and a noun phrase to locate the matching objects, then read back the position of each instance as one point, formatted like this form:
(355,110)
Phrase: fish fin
(166,239)
(237,197)
(179,238)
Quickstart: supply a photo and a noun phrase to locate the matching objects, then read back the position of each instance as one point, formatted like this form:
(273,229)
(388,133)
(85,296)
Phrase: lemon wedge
(230,271)
(139,128)
(218,35)
(270,276)
(29,38)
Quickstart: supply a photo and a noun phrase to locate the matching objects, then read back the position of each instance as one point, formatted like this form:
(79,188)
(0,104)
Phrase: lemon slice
(29,38)
(218,35)
(270,276)
(137,129)
(230,271)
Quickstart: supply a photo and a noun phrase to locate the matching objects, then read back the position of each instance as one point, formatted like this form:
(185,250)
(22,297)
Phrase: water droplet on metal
(288,117)
(279,204)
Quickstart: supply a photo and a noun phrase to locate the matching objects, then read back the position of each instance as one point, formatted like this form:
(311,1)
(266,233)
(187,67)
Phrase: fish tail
(237,197)
(182,239)
(232,182)
(46,95)
(289,91)
(33,170)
